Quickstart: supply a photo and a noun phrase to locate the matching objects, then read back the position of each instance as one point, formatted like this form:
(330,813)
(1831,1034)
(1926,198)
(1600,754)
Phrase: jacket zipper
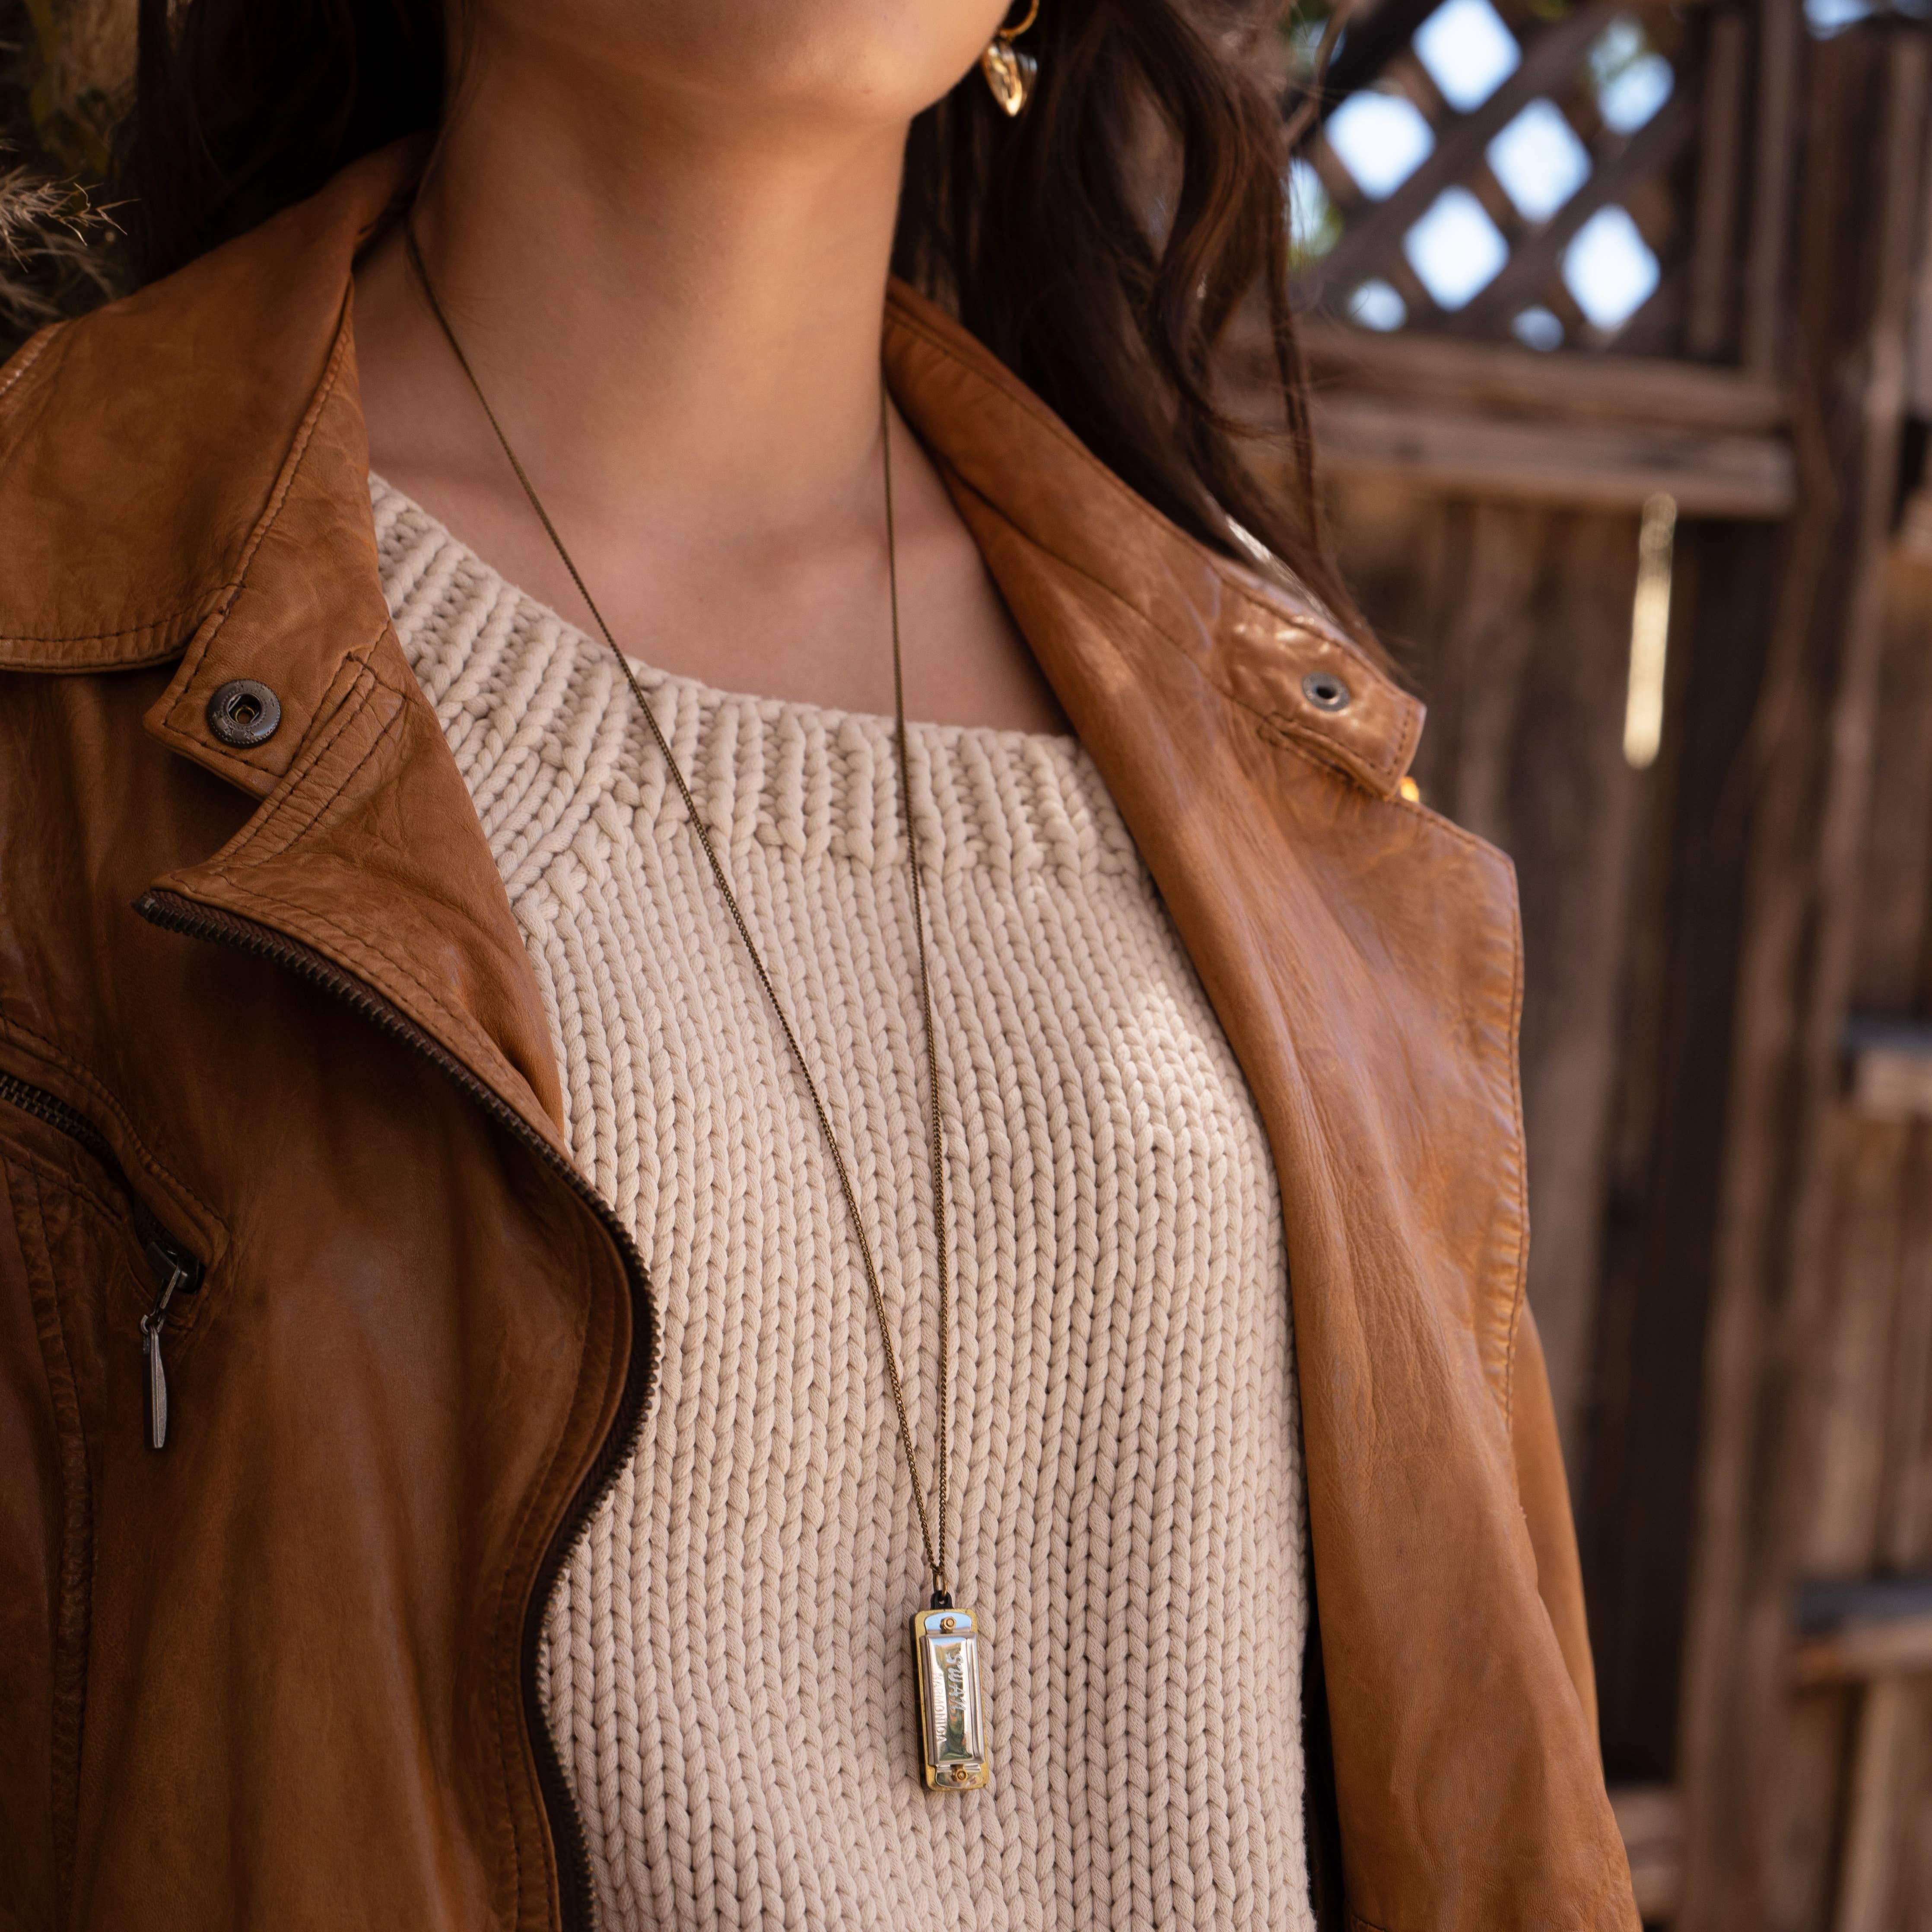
(173,913)
(175,1270)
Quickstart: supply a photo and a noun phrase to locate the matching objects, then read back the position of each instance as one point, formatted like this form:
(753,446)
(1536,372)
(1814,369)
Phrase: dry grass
(56,248)
(65,67)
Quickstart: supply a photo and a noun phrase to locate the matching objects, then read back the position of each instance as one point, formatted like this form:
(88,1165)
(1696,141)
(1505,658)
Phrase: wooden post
(1806,792)
(1781,33)
(1867,1882)
(1713,267)
(1881,1643)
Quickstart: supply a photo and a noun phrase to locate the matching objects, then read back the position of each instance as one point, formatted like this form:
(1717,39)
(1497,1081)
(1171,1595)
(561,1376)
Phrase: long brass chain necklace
(945,1640)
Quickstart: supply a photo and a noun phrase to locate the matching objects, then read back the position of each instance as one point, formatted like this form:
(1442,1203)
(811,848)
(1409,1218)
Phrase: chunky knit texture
(727,1667)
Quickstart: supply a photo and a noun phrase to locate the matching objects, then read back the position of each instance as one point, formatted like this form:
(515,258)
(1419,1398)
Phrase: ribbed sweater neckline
(810,777)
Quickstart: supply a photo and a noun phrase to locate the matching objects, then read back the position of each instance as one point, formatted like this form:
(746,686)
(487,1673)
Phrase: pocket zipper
(175,1270)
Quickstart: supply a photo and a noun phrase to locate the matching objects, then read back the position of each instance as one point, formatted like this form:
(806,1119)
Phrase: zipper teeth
(49,1109)
(54,1112)
(174,914)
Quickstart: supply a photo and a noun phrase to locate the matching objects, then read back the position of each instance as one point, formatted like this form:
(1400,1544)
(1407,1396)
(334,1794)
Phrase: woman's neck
(671,283)
(672,309)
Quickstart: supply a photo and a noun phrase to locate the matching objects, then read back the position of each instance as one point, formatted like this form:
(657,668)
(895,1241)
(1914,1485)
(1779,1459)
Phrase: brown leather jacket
(274,1082)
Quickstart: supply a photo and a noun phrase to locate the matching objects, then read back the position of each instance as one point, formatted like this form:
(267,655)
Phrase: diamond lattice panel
(1498,168)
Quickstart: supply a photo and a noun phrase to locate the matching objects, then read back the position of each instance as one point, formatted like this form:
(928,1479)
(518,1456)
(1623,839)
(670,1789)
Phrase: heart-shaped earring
(1010,74)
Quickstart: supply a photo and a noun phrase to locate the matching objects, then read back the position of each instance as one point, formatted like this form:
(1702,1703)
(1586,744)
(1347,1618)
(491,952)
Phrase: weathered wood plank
(1448,373)
(1891,1069)
(1861,1651)
(1611,466)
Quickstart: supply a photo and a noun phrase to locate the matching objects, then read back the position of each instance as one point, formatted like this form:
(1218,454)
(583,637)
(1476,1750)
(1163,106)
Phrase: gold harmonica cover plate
(946,1660)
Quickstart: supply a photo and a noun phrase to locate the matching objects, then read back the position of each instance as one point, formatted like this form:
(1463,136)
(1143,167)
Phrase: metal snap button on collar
(1325,690)
(244,713)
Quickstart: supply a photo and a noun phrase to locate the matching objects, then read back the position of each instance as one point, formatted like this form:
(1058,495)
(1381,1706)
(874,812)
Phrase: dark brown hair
(1101,245)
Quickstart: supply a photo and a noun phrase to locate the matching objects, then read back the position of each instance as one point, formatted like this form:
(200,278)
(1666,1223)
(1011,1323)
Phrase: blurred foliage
(1301,27)
(1314,222)
(66,72)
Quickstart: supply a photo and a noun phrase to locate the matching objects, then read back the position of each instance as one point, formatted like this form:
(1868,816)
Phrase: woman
(560,1213)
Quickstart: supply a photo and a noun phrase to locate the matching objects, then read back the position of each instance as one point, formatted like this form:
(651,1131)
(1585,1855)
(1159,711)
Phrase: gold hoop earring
(1010,74)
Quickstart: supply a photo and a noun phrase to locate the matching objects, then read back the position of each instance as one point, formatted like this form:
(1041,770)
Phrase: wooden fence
(1726,1053)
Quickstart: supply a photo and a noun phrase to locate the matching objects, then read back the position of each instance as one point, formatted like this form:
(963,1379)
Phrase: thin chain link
(935,1545)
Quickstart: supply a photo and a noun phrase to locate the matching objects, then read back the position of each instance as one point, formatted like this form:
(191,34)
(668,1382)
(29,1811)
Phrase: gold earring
(1010,74)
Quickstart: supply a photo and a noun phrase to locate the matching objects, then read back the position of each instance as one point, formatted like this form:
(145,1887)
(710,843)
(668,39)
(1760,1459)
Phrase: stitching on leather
(308,754)
(1460,833)
(1156,630)
(203,609)
(374,670)
(1393,761)
(354,703)
(185,1323)
(1512,936)
(1520,1192)
(285,482)
(44,1171)
(367,956)
(1519,1177)
(1014,391)
(94,637)
(1275,727)
(30,356)
(365,953)
(69,1699)
(236,768)
(1412,738)
(1386,766)
(52,1050)
(220,601)
(323,805)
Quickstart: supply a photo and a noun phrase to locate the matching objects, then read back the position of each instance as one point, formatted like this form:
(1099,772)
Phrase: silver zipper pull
(158,1381)
(177,1273)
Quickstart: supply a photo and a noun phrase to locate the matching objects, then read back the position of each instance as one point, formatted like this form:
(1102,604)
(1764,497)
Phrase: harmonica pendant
(951,1716)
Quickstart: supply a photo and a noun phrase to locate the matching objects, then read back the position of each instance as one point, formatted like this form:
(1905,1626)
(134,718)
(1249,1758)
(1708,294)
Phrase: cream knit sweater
(728,1669)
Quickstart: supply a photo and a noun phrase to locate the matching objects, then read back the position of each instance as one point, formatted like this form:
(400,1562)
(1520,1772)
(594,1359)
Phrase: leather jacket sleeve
(1545,1494)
